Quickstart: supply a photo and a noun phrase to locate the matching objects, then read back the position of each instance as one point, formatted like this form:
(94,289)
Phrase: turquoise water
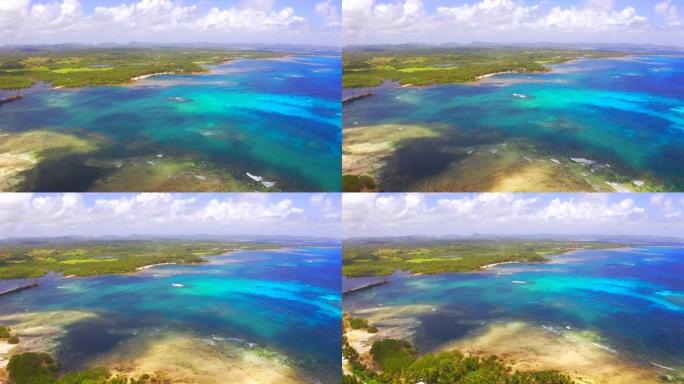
(634,298)
(627,112)
(287,301)
(280,119)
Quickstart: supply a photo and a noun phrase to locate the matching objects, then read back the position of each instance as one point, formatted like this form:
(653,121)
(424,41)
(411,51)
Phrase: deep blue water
(626,112)
(633,298)
(280,119)
(287,300)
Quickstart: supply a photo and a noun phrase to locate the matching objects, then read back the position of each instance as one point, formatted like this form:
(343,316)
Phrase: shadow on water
(64,174)
(415,160)
(89,338)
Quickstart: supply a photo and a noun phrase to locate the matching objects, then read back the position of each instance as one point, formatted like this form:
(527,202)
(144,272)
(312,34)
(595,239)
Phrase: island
(365,67)
(30,260)
(80,67)
(381,258)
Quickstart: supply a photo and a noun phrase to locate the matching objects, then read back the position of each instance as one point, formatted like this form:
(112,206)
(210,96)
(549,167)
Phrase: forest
(98,66)
(30,260)
(363,67)
(378,258)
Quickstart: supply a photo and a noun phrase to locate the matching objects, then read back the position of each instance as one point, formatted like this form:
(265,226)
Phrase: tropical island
(507,310)
(80,67)
(89,258)
(437,118)
(430,256)
(365,67)
(146,117)
(130,311)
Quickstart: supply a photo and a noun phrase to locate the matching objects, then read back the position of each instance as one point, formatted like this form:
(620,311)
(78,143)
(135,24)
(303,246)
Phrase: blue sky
(512,214)
(94,214)
(513,21)
(314,22)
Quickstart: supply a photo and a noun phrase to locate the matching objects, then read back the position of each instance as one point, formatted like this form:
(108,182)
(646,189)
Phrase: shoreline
(549,68)
(549,258)
(144,267)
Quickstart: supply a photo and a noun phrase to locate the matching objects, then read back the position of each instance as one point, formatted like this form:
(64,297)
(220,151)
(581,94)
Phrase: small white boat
(177,285)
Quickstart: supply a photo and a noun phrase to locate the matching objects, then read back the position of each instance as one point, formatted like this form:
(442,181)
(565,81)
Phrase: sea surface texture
(632,297)
(628,113)
(277,119)
(286,301)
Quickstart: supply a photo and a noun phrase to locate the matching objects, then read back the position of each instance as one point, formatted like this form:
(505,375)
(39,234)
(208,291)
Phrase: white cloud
(367,21)
(510,213)
(162,20)
(163,213)
(329,12)
(669,12)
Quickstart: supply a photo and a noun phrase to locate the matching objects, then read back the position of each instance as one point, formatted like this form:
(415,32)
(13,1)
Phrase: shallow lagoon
(277,118)
(631,300)
(284,301)
(627,113)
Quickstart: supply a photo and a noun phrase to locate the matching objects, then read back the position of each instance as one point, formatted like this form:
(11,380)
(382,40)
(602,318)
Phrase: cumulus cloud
(505,213)
(497,20)
(162,20)
(329,12)
(163,213)
(669,12)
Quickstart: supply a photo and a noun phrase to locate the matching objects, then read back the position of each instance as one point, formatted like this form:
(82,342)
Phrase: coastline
(548,68)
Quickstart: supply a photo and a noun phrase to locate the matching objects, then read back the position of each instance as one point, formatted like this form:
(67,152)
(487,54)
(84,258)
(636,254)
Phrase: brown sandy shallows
(365,148)
(20,152)
(183,357)
(392,323)
(513,167)
(37,332)
(161,173)
(188,359)
(494,165)
(528,348)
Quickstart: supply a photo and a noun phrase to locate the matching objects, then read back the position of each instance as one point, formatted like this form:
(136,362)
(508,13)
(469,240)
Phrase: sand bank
(20,152)
(189,359)
(365,148)
(527,347)
(167,173)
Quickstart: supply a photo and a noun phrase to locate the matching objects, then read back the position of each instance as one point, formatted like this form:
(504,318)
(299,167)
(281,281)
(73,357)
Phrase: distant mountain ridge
(195,237)
(531,237)
(538,45)
(296,48)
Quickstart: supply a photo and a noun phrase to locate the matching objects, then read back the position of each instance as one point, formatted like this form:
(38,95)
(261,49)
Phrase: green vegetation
(6,334)
(358,323)
(400,363)
(425,66)
(442,256)
(96,66)
(356,183)
(41,368)
(393,355)
(23,260)
(32,368)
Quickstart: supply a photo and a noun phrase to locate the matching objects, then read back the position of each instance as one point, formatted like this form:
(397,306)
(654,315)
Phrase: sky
(94,214)
(315,22)
(513,21)
(369,215)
